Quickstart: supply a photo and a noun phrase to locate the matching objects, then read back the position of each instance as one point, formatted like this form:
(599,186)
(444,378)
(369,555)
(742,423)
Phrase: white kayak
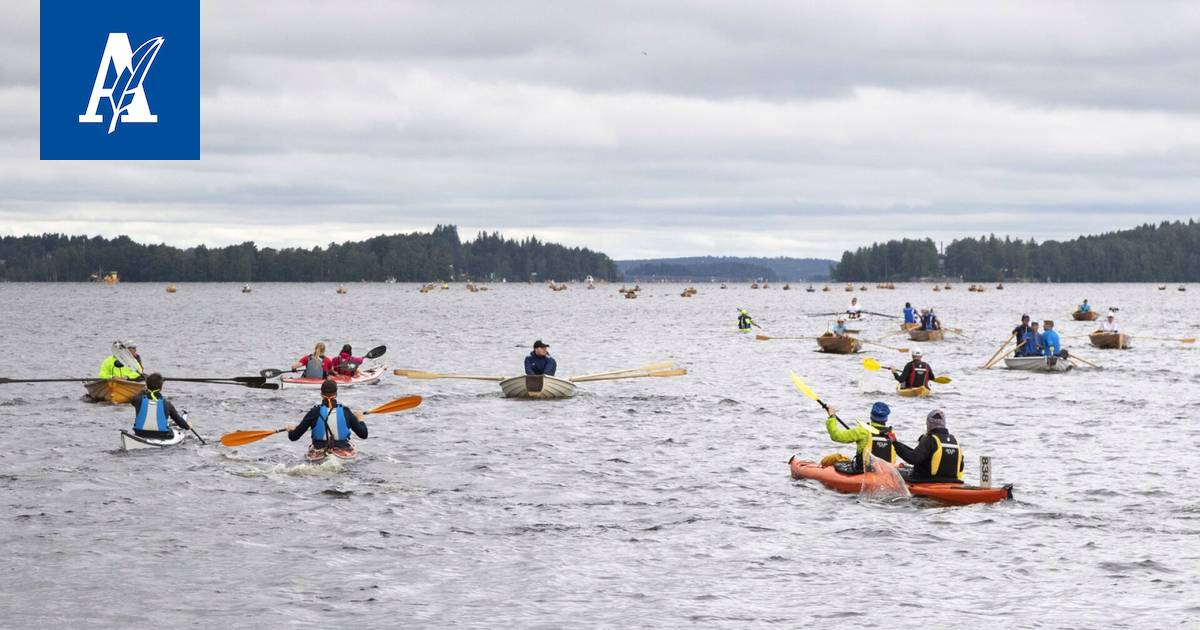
(1038,364)
(363,377)
(131,442)
(537,386)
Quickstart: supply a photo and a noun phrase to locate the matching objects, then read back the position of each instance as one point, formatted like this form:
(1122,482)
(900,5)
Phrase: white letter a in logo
(125,96)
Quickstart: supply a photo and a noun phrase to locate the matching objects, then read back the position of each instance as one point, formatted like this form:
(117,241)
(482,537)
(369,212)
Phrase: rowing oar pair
(241,438)
(125,356)
(254,382)
(661,369)
(874,366)
(373,353)
(873,343)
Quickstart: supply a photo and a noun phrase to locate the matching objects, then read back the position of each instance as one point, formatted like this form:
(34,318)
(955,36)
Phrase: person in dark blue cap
(539,361)
(876,436)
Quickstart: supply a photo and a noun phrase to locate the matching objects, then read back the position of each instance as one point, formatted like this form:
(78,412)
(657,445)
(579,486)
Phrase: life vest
(918,376)
(880,446)
(744,322)
(946,463)
(338,430)
(315,368)
(910,316)
(151,415)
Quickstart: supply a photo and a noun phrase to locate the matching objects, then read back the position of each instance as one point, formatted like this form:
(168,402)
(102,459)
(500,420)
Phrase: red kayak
(880,480)
(319,455)
(363,377)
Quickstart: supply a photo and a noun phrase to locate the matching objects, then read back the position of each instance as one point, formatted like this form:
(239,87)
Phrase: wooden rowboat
(914,392)
(537,386)
(1109,340)
(1081,316)
(839,345)
(926,335)
(1038,364)
(113,390)
(907,327)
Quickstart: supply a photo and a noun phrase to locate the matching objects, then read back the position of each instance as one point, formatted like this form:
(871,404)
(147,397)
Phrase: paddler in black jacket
(916,373)
(937,457)
(1018,333)
(153,413)
(329,424)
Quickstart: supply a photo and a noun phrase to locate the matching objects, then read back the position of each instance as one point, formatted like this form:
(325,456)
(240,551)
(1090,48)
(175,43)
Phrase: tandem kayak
(131,442)
(876,481)
(336,454)
(369,375)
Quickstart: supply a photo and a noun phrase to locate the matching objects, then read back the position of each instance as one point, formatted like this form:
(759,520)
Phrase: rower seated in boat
(1018,333)
(1031,342)
(916,373)
(929,320)
(345,363)
(839,327)
(910,313)
(329,423)
(153,413)
(1109,325)
(937,456)
(112,367)
(316,365)
(874,436)
(854,311)
(1051,343)
(1085,307)
(539,361)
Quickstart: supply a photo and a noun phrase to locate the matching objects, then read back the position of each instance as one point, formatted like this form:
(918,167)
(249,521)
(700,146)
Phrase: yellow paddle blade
(944,380)
(241,438)
(761,338)
(665,373)
(400,404)
(870,429)
(871,364)
(803,388)
(1188,340)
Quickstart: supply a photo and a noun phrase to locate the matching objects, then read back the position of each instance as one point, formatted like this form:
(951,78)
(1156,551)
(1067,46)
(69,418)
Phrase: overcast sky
(646,128)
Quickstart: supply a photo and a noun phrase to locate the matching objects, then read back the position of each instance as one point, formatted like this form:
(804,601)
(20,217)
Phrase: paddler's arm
(915,456)
(356,425)
(845,436)
(175,416)
(310,418)
(551,366)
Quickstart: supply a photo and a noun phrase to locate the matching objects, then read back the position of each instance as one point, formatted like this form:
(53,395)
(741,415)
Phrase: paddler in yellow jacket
(113,368)
(877,436)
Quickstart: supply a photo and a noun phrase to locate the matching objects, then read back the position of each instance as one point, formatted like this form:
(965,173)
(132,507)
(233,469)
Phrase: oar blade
(803,388)
(376,352)
(668,373)
(871,364)
(400,404)
(761,338)
(242,438)
(944,380)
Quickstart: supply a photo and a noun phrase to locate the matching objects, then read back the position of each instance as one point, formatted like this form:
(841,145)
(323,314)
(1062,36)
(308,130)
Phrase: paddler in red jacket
(316,365)
(345,363)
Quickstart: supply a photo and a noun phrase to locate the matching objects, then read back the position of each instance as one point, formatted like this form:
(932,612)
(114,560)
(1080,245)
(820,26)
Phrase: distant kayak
(363,377)
(949,493)
(132,442)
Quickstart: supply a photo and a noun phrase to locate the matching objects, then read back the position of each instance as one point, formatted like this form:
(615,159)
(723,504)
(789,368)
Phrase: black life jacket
(743,322)
(880,446)
(918,376)
(946,463)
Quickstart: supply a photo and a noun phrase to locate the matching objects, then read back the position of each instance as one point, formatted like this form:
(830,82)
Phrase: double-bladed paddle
(240,438)
(373,353)
(873,366)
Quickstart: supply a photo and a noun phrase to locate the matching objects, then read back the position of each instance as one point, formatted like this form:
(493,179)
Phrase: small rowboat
(914,392)
(335,454)
(132,442)
(926,335)
(948,493)
(363,377)
(912,326)
(839,345)
(171,288)
(537,386)
(1109,340)
(1081,316)
(1038,364)
(114,390)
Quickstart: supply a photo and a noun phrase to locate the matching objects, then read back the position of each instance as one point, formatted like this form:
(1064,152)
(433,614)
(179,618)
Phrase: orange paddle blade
(241,438)
(400,404)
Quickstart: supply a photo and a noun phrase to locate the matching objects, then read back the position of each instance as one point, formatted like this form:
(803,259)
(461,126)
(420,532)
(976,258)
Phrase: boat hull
(839,345)
(364,377)
(322,455)
(948,493)
(926,335)
(541,386)
(914,392)
(906,327)
(1038,364)
(131,442)
(1109,340)
(1081,316)
(113,390)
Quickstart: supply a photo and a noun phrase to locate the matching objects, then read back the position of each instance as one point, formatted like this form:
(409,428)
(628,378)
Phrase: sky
(646,129)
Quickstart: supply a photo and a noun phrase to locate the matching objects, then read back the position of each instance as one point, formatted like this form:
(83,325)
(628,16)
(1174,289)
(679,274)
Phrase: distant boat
(1181,288)
(341,290)
(171,288)
(245,288)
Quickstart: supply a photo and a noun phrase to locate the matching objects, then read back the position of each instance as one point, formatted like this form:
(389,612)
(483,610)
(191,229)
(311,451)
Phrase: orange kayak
(879,480)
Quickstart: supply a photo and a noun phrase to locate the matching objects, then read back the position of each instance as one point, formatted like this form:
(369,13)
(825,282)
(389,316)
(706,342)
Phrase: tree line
(414,257)
(1167,252)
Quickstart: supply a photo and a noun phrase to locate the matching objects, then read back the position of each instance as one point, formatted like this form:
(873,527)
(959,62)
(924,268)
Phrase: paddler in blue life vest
(1085,307)
(876,436)
(937,457)
(1051,343)
(329,423)
(1031,343)
(316,365)
(910,313)
(112,367)
(745,321)
(916,373)
(929,320)
(539,361)
(153,413)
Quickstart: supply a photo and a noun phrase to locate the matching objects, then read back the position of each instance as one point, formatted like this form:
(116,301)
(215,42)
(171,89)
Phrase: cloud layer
(646,129)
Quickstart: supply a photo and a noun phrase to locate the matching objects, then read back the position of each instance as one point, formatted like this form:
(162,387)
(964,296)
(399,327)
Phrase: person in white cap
(839,328)
(1109,324)
(916,373)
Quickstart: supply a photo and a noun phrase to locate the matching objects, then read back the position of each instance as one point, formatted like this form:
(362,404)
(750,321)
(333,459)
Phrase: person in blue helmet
(875,437)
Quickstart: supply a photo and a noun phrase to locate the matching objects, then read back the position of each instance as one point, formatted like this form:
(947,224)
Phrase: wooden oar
(881,314)
(241,438)
(768,337)
(421,374)
(987,364)
(1183,340)
(45,380)
(875,343)
(253,382)
(1072,356)
(614,377)
(650,367)
(873,366)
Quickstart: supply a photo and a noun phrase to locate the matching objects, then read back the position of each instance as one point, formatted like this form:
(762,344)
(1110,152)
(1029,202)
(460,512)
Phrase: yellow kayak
(914,392)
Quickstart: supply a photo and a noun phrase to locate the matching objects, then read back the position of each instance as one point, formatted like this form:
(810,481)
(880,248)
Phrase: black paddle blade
(270,373)
(376,352)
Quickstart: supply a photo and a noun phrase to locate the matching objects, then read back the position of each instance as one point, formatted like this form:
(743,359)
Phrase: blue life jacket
(338,431)
(1085,308)
(1030,342)
(315,368)
(155,411)
(910,315)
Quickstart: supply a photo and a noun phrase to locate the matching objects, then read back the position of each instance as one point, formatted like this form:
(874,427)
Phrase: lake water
(639,503)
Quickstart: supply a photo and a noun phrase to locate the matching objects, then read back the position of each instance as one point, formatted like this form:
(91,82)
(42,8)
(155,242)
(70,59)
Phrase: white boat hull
(131,442)
(364,377)
(537,386)
(1038,364)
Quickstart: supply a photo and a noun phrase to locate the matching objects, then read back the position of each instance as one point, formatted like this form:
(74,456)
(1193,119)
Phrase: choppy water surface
(651,502)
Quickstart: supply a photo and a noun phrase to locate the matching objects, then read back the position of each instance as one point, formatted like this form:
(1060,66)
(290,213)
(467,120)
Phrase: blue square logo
(120,81)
